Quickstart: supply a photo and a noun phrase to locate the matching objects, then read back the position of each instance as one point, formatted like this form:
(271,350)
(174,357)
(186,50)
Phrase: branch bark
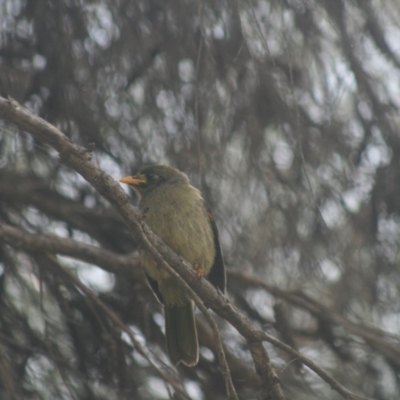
(107,260)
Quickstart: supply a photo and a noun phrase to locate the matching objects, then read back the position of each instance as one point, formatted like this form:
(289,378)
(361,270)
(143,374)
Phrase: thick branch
(109,261)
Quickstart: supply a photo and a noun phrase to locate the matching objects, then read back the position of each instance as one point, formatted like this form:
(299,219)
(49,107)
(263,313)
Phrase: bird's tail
(181,334)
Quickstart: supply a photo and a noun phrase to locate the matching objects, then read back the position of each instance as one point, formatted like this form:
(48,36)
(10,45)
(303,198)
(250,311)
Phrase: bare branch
(387,344)
(111,262)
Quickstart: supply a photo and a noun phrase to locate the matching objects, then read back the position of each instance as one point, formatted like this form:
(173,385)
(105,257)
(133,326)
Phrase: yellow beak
(133,180)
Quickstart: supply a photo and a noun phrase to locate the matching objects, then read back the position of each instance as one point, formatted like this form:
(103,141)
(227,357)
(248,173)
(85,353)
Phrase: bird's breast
(183,225)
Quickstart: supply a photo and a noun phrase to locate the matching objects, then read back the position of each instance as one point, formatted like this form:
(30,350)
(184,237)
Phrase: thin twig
(117,321)
(297,117)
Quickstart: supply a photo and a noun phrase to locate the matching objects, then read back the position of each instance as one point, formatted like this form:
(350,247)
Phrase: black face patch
(152,176)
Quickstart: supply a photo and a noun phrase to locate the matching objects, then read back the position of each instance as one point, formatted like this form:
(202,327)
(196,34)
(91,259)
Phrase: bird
(176,211)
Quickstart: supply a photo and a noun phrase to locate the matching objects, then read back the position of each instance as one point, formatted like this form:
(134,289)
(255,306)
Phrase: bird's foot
(199,271)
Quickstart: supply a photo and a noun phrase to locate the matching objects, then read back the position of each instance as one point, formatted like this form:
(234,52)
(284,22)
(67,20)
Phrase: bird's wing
(217,274)
(154,288)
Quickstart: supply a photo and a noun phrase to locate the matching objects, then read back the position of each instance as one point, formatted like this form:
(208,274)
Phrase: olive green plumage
(176,212)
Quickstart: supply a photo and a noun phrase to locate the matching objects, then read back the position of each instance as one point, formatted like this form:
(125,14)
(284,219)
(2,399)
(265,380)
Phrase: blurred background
(284,113)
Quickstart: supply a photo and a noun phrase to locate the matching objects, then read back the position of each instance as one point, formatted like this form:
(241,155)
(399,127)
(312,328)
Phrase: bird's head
(154,176)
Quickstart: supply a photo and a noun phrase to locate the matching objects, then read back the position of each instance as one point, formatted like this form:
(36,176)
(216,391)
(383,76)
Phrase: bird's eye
(151,176)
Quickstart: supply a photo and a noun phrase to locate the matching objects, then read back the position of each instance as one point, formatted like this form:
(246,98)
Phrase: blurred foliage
(284,113)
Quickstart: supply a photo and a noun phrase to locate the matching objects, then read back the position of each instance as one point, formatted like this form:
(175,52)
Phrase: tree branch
(107,260)
(387,344)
